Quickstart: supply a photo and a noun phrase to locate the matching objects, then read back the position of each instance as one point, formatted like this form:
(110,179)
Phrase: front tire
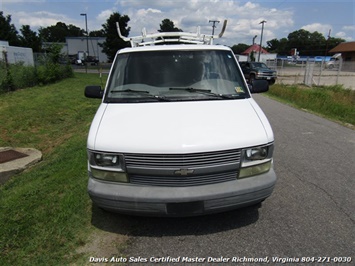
(272,81)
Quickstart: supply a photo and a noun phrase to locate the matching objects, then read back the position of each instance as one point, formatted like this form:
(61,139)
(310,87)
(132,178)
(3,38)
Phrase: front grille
(183,181)
(161,169)
(269,74)
(177,161)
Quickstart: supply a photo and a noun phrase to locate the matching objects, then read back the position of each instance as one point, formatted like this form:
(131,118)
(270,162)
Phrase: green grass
(333,102)
(45,212)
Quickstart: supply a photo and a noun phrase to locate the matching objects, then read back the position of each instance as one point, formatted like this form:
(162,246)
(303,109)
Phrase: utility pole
(326,46)
(87,41)
(214,25)
(87,33)
(261,37)
(254,39)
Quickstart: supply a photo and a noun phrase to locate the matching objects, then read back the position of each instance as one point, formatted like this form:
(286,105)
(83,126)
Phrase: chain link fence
(311,73)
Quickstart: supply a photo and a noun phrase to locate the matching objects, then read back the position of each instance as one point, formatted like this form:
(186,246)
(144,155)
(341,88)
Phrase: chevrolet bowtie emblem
(184,172)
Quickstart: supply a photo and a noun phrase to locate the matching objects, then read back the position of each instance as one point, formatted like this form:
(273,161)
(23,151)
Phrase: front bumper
(266,77)
(181,201)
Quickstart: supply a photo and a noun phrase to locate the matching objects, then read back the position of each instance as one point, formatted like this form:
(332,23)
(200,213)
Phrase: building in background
(347,50)
(77,46)
(14,54)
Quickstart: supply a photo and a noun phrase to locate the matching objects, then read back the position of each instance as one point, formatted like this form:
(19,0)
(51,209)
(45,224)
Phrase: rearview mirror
(93,92)
(259,86)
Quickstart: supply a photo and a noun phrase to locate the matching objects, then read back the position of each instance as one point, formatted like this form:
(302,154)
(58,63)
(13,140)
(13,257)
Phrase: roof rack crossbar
(165,37)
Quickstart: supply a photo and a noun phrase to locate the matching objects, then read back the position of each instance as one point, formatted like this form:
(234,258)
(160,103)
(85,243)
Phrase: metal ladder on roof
(172,37)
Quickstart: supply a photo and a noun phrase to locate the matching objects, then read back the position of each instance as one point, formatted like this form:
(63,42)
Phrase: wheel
(272,81)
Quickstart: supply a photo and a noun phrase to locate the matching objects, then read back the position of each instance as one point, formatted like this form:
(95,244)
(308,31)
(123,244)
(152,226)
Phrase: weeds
(334,102)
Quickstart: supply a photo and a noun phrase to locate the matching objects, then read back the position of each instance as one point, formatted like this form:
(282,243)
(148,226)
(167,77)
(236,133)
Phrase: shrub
(49,70)
(6,83)
(23,76)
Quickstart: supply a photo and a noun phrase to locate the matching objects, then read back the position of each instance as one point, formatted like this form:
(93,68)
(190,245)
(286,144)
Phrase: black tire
(272,81)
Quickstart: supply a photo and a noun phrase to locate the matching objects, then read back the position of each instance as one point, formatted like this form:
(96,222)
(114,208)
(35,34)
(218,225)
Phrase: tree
(239,48)
(29,38)
(306,43)
(252,56)
(58,32)
(317,44)
(97,33)
(74,31)
(8,31)
(311,44)
(278,46)
(273,45)
(332,42)
(168,26)
(113,42)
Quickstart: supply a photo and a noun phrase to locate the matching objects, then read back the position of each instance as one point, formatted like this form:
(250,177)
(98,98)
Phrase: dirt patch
(102,244)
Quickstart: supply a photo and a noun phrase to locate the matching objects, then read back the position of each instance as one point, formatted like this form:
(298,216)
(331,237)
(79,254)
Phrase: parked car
(91,60)
(258,70)
(178,132)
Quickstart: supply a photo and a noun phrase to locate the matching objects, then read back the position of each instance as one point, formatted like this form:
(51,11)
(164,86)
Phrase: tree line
(307,43)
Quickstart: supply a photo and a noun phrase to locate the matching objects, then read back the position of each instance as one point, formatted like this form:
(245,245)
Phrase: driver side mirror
(258,86)
(93,92)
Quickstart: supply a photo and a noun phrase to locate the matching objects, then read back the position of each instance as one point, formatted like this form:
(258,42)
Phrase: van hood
(179,127)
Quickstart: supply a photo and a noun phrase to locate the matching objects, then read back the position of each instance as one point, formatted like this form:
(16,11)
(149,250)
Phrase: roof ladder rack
(166,37)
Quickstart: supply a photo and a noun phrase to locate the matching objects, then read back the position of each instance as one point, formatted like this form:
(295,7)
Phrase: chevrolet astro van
(178,132)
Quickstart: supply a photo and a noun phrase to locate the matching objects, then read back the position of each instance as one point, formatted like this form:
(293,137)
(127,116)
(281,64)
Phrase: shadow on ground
(162,226)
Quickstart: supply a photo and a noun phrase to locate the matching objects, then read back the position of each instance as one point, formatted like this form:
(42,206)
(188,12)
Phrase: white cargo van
(178,132)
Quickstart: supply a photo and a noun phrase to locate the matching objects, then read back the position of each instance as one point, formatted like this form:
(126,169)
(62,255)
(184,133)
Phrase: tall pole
(213,25)
(254,39)
(326,46)
(87,33)
(261,37)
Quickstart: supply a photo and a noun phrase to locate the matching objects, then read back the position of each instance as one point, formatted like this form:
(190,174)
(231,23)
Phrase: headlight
(105,160)
(256,160)
(107,166)
(258,153)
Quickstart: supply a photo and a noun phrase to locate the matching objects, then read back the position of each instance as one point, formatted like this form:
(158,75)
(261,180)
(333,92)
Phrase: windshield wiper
(146,94)
(209,93)
(189,89)
(129,90)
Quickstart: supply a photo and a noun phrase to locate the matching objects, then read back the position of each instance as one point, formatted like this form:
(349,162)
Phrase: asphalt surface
(310,215)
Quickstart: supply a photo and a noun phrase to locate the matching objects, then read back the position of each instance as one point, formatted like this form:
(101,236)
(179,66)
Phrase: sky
(334,18)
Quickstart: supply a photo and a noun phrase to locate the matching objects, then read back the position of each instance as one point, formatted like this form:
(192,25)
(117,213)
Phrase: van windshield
(175,75)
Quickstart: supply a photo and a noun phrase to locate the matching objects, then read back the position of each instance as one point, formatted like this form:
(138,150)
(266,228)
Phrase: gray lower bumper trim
(166,201)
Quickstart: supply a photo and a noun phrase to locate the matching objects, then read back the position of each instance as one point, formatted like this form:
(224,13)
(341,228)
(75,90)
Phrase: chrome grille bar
(163,161)
(186,181)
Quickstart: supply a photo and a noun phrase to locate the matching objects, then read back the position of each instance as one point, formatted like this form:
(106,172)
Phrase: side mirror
(259,86)
(93,92)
